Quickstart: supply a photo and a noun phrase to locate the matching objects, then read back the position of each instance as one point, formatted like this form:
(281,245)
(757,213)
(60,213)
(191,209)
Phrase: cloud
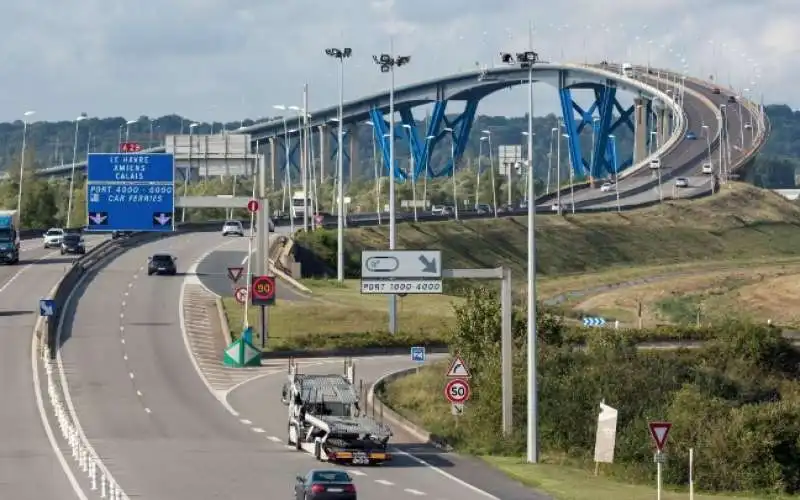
(223,59)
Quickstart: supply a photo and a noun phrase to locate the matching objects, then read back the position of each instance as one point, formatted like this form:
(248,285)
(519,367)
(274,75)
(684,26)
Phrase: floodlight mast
(526,60)
(387,63)
(340,55)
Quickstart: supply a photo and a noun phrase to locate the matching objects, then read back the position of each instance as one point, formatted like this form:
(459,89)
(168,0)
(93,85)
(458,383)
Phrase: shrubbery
(735,400)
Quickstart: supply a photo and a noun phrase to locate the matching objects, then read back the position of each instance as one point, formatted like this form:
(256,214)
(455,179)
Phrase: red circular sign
(252,206)
(457,390)
(264,288)
(240,294)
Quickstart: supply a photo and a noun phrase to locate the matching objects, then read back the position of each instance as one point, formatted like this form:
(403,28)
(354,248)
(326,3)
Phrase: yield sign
(458,369)
(659,431)
(234,273)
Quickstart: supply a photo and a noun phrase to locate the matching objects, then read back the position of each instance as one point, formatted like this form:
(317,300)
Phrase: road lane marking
(245,421)
(258,430)
(414,492)
(274,439)
(384,482)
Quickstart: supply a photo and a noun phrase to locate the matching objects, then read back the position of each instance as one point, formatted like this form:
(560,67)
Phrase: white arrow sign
(97,218)
(162,219)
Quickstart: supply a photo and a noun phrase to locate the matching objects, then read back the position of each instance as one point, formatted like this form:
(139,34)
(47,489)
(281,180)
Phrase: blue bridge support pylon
(604,117)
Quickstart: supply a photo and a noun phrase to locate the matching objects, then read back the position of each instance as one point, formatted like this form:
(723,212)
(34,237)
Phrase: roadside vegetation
(734,401)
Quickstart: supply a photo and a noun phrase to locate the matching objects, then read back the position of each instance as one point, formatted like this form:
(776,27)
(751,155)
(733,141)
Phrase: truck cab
(9,237)
(299,203)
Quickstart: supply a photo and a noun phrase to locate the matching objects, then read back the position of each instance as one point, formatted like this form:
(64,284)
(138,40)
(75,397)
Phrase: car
(483,208)
(319,484)
(162,263)
(655,163)
(232,227)
(708,168)
(53,237)
(73,243)
(606,187)
(716,90)
(120,234)
(691,136)
(682,182)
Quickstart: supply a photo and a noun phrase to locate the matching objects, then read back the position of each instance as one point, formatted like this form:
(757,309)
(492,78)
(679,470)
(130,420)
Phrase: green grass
(741,223)
(335,312)
(418,397)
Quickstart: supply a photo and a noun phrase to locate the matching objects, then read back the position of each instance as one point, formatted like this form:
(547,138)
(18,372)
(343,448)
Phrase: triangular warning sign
(458,368)
(234,273)
(659,431)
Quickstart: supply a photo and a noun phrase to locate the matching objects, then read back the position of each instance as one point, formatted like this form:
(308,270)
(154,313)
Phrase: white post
(453,173)
(304,134)
(478,175)
(691,473)
(392,180)
(533,427)
(658,475)
(103,482)
(22,161)
(72,172)
(413,185)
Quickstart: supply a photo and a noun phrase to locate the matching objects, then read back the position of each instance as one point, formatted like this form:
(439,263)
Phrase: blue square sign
(418,354)
(47,307)
(130,192)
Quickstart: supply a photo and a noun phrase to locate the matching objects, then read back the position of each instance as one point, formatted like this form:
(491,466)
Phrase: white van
(708,168)
(627,70)
(655,163)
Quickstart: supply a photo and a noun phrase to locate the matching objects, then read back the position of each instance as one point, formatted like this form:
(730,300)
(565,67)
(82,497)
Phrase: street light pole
(188,170)
(128,129)
(287,176)
(412,167)
(22,160)
(488,135)
(616,168)
(78,120)
(340,55)
(387,64)
(527,60)
(453,171)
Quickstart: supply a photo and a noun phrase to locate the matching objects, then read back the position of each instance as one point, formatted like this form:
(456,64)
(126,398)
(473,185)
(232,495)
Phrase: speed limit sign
(457,390)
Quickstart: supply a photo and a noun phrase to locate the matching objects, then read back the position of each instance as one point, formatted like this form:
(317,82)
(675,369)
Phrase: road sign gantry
(130,192)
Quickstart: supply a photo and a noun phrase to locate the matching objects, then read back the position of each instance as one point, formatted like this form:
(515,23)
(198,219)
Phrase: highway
(29,468)
(446,476)
(150,416)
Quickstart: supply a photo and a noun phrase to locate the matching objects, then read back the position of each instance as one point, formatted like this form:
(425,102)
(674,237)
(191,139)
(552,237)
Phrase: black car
(325,485)
(732,98)
(72,243)
(161,263)
(120,234)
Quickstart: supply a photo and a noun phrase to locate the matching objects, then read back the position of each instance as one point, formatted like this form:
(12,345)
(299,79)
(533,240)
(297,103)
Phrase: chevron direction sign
(594,321)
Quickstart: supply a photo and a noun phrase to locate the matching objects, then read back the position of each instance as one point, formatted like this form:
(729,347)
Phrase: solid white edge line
(48,429)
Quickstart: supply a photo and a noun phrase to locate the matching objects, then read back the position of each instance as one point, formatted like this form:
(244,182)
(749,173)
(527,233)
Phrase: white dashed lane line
(352,472)
(132,376)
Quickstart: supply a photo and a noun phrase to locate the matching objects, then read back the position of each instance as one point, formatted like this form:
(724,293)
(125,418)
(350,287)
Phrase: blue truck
(9,237)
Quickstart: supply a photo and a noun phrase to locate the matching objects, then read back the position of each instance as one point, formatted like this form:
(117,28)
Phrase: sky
(228,59)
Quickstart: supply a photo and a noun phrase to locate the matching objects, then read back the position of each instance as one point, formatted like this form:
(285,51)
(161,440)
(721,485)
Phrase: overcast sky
(225,59)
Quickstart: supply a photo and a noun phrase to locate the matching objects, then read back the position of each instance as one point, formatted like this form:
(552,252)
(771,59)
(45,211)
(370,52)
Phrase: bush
(735,400)
(317,341)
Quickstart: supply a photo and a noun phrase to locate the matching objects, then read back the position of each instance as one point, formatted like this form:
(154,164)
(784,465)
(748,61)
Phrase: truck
(9,236)
(299,203)
(326,419)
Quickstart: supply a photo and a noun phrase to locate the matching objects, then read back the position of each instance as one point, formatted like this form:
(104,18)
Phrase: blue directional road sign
(418,354)
(594,321)
(130,192)
(47,307)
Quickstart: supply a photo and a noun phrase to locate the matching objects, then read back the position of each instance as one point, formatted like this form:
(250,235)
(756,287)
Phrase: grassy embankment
(742,228)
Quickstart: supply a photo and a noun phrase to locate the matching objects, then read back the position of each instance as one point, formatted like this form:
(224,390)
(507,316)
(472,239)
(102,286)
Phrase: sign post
(263,294)
(130,192)
(659,432)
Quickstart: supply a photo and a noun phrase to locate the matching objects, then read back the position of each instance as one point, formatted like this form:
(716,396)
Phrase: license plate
(335,490)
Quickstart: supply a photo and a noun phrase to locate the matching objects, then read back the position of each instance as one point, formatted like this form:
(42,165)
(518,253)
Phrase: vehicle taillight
(349,488)
(317,488)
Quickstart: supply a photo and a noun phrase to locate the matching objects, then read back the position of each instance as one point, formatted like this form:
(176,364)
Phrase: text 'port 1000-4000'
(401,286)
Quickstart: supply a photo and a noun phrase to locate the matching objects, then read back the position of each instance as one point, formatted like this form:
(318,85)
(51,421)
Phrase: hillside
(743,222)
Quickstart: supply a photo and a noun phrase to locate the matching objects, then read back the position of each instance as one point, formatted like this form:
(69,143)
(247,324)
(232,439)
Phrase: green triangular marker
(241,353)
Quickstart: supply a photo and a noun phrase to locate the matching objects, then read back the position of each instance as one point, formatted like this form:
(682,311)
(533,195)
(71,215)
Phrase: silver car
(232,227)
(682,182)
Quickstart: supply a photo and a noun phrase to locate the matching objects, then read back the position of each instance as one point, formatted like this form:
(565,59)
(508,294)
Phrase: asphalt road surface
(213,271)
(451,478)
(141,403)
(29,468)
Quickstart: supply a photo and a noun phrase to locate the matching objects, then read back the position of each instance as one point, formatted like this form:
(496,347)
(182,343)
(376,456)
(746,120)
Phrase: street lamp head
(430,137)
(29,113)
(554,130)
(487,132)
(484,138)
(131,122)
(81,117)
(370,123)
(280,107)
(612,136)
(448,129)
(193,125)
(565,136)
(406,125)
